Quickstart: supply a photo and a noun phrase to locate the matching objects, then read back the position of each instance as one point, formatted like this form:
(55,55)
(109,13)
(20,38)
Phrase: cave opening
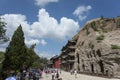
(78,58)
(98,52)
(83,66)
(92,68)
(101,66)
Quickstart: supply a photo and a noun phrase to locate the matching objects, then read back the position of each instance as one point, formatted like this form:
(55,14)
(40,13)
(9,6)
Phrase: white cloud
(81,12)
(45,27)
(38,31)
(46,54)
(13,21)
(3,46)
(42,3)
(43,42)
(32,41)
(48,27)
(2,49)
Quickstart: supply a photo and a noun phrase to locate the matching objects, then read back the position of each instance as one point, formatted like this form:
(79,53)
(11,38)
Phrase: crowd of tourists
(35,74)
(74,72)
(30,74)
(54,73)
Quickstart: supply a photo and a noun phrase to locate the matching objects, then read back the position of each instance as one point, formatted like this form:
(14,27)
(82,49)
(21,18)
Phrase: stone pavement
(67,76)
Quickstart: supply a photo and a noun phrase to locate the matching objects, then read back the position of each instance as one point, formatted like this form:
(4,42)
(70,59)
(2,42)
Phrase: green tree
(1,59)
(1,56)
(34,60)
(3,37)
(32,56)
(16,52)
(44,61)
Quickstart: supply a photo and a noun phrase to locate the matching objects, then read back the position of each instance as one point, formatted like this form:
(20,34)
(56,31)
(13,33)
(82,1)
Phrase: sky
(51,23)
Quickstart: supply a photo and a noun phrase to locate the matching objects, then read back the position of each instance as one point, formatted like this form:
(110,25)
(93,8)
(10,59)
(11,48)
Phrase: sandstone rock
(96,48)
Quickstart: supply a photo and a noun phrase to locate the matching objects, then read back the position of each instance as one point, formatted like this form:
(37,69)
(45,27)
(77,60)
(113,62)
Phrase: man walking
(75,73)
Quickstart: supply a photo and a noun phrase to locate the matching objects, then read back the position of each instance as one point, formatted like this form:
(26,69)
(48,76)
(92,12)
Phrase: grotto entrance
(101,66)
(98,52)
(92,68)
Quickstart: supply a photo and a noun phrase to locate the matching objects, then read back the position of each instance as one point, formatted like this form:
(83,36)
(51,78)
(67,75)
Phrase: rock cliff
(98,47)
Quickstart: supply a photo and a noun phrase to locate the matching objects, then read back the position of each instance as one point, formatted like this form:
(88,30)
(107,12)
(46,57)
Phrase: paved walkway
(67,76)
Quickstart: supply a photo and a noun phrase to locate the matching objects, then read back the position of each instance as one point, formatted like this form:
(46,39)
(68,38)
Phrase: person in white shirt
(75,73)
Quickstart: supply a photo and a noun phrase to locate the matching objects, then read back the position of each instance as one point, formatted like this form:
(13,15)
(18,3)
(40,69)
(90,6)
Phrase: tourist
(60,71)
(46,72)
(57,75)
(11,77)
(53,75)
(40,73)
(75,73)
(71,72)
(27,75)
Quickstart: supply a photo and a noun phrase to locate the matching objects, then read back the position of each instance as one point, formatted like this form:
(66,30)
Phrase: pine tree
(32,56)
(16,52)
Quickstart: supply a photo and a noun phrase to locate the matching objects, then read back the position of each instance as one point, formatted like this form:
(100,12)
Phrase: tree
(1,59)
(32,56)
(16,52)
(44,61)
(34,59)
(3,37)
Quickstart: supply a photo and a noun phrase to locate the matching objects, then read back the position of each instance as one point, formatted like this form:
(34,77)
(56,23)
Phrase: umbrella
(11,78)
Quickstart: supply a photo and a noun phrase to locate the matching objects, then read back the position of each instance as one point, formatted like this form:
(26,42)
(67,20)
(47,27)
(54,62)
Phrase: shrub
(105,31)
(101,17)
(115,46)
(94,27)
(91,45)
(101,37)
(82,43)
(99,41)
(118,22)
(87,31)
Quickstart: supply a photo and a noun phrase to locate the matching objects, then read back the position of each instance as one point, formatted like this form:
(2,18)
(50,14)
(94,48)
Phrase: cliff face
(98,47)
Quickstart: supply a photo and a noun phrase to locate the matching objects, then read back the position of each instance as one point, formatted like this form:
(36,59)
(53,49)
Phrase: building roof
(71,61)
(71,54)
(54,57)
(64,56)
(64,62)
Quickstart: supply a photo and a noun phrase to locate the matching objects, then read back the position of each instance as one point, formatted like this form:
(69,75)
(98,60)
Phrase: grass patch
(101,37)
(118,22)
(105,31)
(115,46)
(93,26)
(91,45)
(98,41)
(87,31)
(82,43)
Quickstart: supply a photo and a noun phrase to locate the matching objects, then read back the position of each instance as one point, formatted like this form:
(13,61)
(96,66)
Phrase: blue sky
(51,23)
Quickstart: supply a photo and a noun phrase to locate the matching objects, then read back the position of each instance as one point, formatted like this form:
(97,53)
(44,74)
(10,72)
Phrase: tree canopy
(3,37)
(18,56)
(16,52)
